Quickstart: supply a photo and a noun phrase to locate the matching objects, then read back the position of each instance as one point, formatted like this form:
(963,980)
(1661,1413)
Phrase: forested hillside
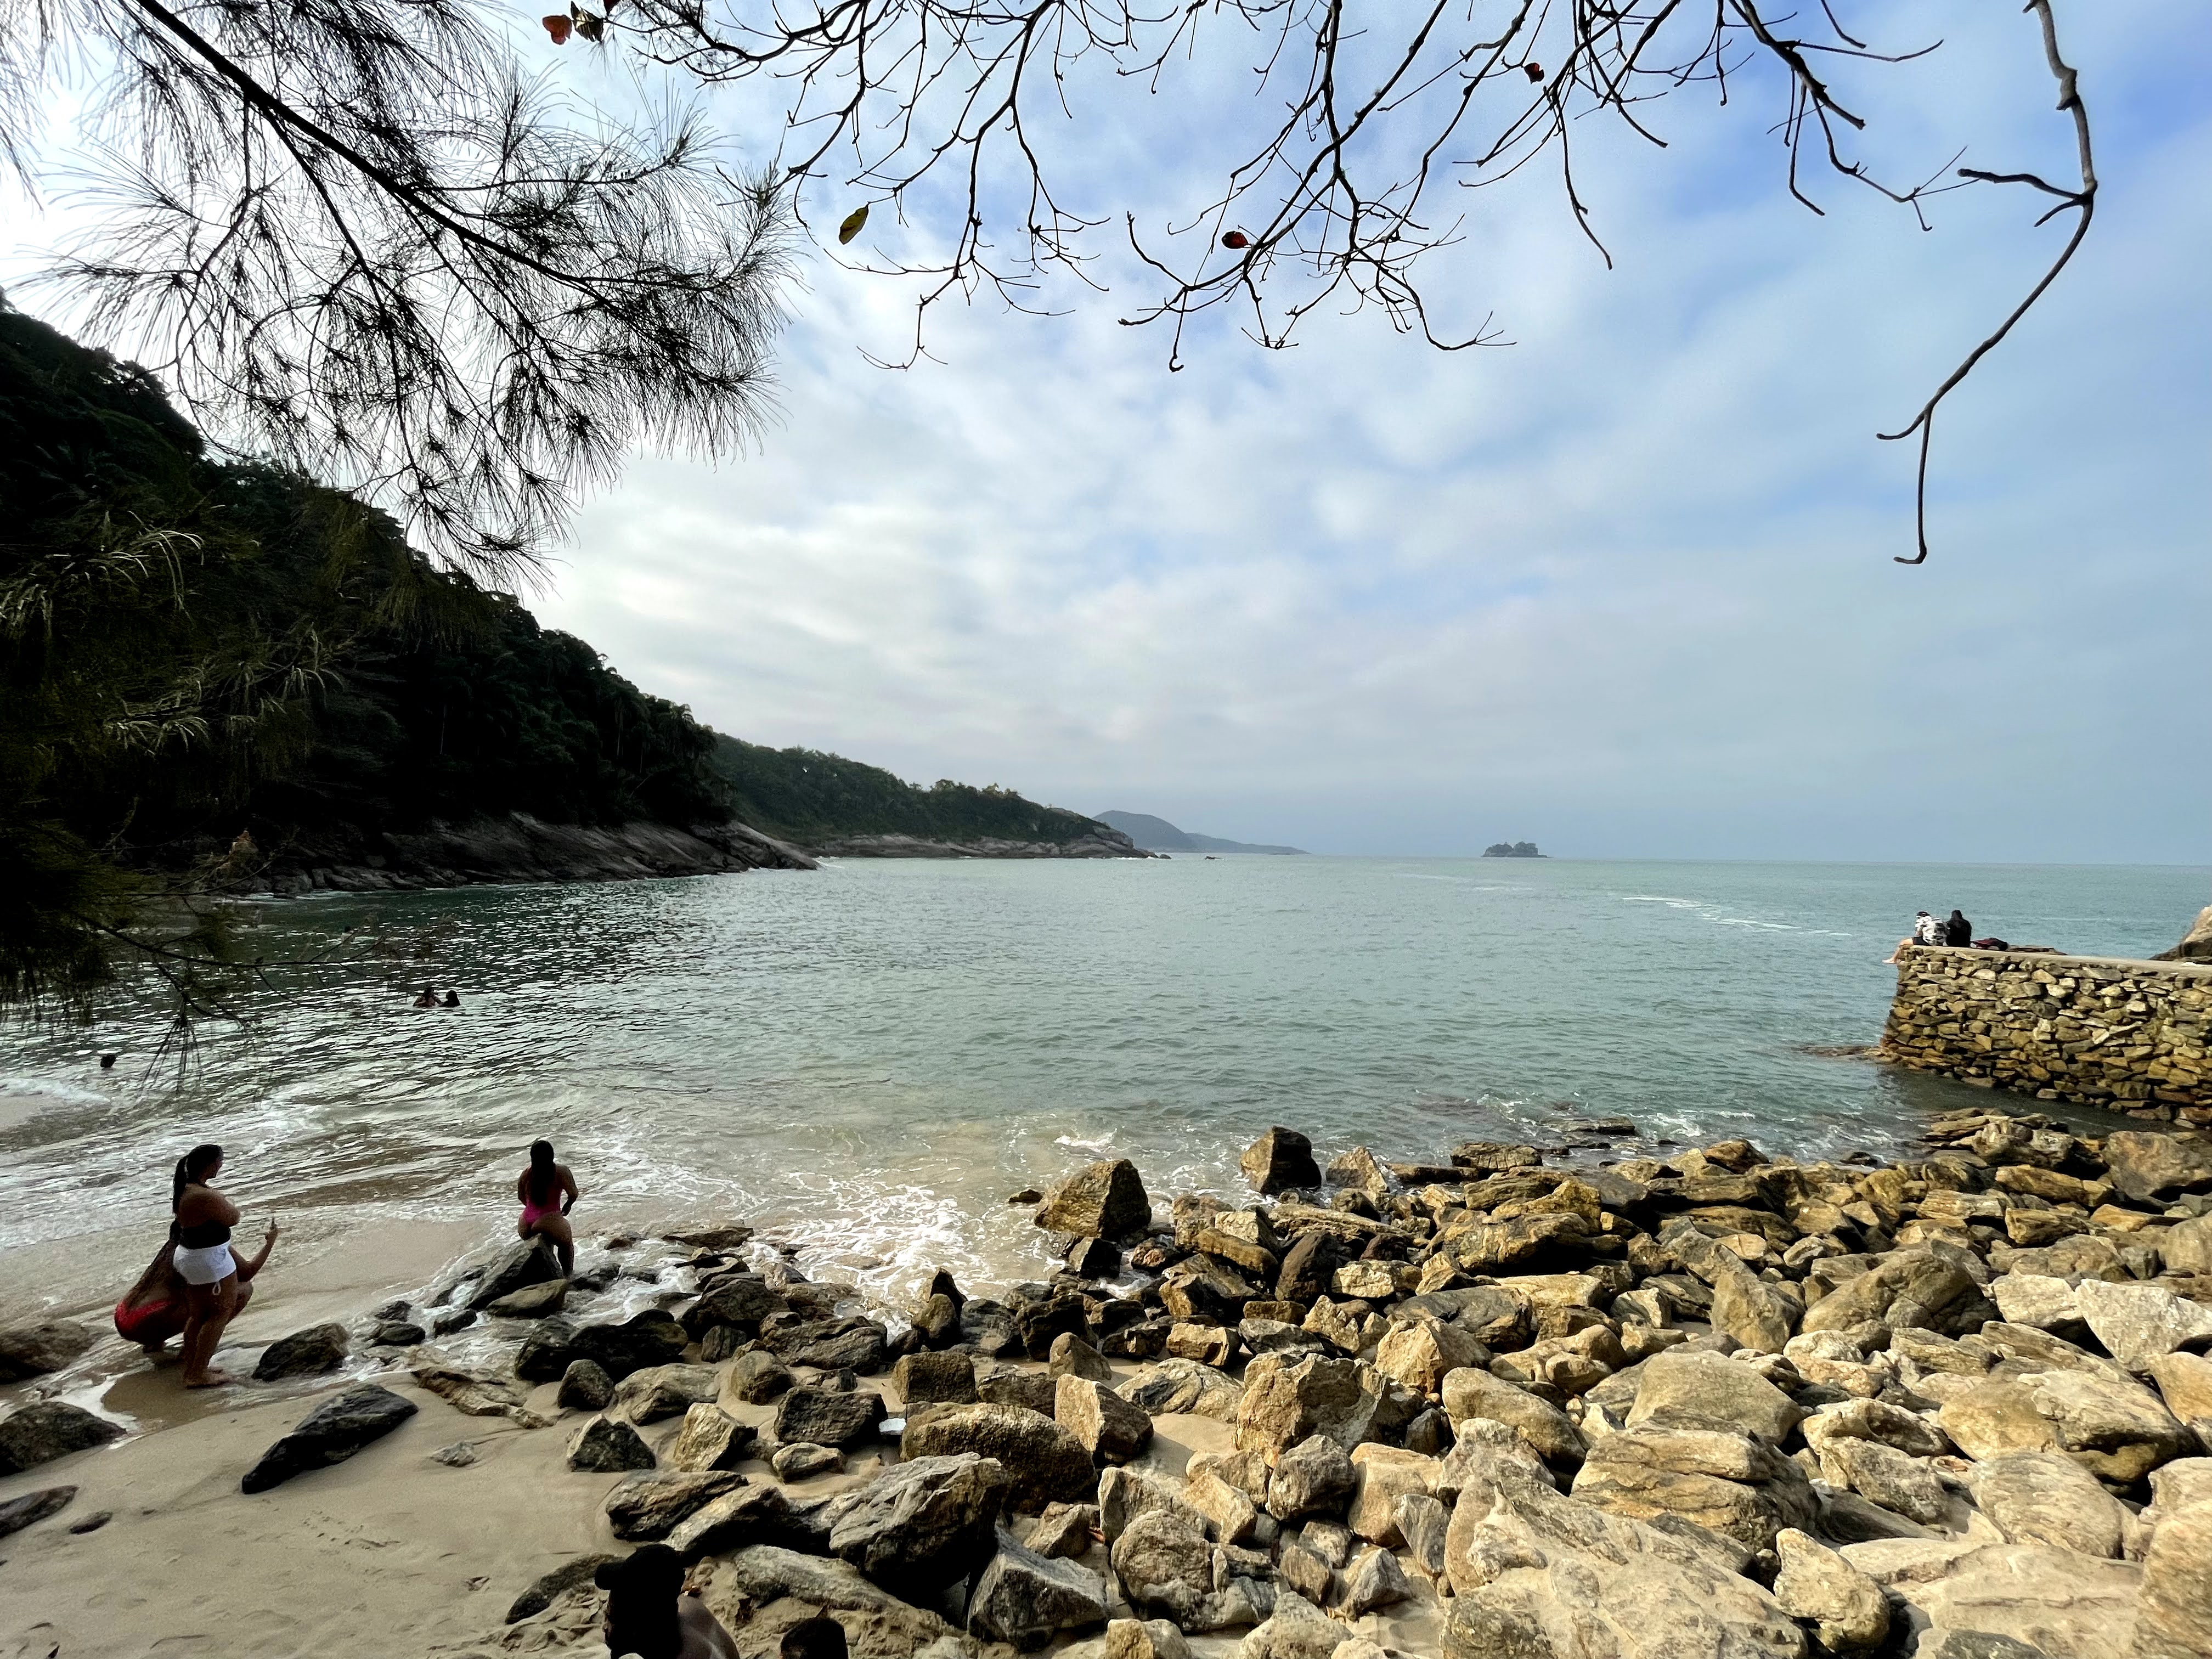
(805,796)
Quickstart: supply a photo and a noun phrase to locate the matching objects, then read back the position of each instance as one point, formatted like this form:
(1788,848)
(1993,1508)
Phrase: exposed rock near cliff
(1104,844)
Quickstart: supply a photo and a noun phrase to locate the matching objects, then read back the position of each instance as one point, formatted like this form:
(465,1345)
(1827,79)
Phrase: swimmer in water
(452,1000)
(429,999)
(548,1193)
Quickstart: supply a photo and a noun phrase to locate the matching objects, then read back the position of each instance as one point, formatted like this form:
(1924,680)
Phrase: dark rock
(1104,1199)
(447,1323)
(92,1522)
(1039,1322)
(650,1337)
(750,1515)
(27,1351)
(1279,1161)
(1071,1356)
(1026,1599)
(1046,1463)
(1094,1258)
(1203,1288)
(1313,1478)
(938,1322)
(662,1391)
(606,1444)
(1165,1563)
(1110,1428)
(531,1302)
(739,1299)
(1010,1385)
(1146,1338)
(552,1586)
(47,1429)
(988,1327)
(927,1379)
(756,1378)
(855,1344)
(32,1508)
(924,1525)
(397,1333)
(647,1508)
(722,1342)
(546,1353)
(303,1353)
(527,1261)
(330,1434)
(803,1459)
(828,1417)
(724,1236)
(1308,1266)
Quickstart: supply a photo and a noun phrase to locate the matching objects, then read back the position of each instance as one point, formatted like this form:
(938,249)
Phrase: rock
(2055,1601)
(1040,1324)
(2137,1323)
(1909,1289)
(330,1434)
(527,1261)
(1012,1385)
(1279,1161)
(1422,1522)
(48,1429)
(1690,1387)
(27,1351)
(17,1513)
(1314,1477)
(879,1625)
(2187,1248)
(1377,1582)
(1881,1474)
(1147,1638)
(1229,1514)
(471,1392)
(924,1525)
(1208,1345)
(927,1379)
(1047,1463)
(1875,1419)
(802,1460)
(710,1439)
(546,1355)
(755,1378)
(1305,1571)
(2173,1611)
(750,1515)
(1026,1599)
(649,1339)
(604,1445)
(1535,1573)
(1735,1484)
(1123,1495)
(2046,1498)
(1071,1356)
(1819,1588)
(1063,1530)
(1296,1630)
(585,1386)
(447,1323)
(741,1300)
(855,1344)
(2116,1430)
(662,1391)
(1165,1563)
(2185,1481)
(1380,1476)
(2035,1299)
(2185,1383)
(1105,1200)
(531,1302)
(723,1237)
(303,1353)
(1106,1425)
(1474,1394)
(647,1508)
(2150,1166)
(397,1333)
(1418,1354)
(552,1586)
(1288,1399)
(1185,1386)
(824,1416)
(1360,1170)
(1756,1314)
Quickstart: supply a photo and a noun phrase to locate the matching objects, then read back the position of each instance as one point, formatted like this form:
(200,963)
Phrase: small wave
(1098,1144)
(47,1088)
(1658,898)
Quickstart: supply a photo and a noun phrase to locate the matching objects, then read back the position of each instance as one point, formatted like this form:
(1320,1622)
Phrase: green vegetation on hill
(806,796)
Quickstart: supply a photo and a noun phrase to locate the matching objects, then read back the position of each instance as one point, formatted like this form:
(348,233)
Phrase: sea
(866,1061)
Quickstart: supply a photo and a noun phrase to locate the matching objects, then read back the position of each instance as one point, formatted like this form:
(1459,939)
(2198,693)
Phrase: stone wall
(2102,1030)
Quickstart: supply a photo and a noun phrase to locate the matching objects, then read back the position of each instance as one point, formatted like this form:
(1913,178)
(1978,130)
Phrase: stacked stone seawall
(2102,1030)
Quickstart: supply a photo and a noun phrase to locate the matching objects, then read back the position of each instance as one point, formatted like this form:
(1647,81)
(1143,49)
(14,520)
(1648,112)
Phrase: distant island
(1506,849)
(1158,835)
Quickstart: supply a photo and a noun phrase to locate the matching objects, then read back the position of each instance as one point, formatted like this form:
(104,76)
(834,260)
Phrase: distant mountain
(1512,850)
(1158,835)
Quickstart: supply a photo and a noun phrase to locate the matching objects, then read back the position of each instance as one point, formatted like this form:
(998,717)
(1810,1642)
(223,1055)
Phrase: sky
(1624,587)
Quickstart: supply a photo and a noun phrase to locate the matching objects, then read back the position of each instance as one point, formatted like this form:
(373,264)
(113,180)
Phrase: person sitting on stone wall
(1924,932)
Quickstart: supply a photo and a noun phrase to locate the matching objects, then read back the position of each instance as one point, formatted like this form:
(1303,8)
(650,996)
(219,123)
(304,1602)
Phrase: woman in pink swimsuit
(548,1193)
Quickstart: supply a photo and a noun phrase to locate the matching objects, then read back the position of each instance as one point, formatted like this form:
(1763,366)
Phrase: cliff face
(508,850)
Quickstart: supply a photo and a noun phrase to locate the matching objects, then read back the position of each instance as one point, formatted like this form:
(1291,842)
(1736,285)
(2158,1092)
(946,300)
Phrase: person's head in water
(195,1168)
(545,1181)
(452,1000)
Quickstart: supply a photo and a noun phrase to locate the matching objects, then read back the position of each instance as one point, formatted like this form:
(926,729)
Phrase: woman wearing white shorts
(204,1261)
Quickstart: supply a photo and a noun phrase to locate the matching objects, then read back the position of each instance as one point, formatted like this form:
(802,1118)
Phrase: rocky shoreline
(1957,1407)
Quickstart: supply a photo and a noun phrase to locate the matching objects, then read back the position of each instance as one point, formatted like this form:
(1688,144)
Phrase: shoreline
(1490,1349)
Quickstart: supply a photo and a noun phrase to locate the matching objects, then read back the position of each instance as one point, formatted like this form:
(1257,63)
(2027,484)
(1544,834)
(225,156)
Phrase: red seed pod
(1534,71)
(1236,239)
(558,27)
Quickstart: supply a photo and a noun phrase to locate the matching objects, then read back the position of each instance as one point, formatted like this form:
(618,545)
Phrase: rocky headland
(1491,1407)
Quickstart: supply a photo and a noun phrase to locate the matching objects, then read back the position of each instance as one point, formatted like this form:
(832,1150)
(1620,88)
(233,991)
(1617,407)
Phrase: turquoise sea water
(876,1055)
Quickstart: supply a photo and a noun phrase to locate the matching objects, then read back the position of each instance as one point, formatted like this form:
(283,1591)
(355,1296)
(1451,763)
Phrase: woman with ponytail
(202,1260)
(548,1193)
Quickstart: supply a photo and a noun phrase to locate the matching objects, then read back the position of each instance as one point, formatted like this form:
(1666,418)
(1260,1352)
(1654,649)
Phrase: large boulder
(1735,1484)
(1420,1353)
(1919,1289)
(647,1507)
(711,1439)
(934,1379)
(754,1378)
(1883,1476)
(1295,1630)
(527,1261)
(27,1351)
(1380,1476)
(1966,1600)
(330,1434)
(2046,1498)
(1712,1389)
(786,1587)
(2116,1430)
(739,1299)
(649,1339)
(1125,1494)
(2187,1247)
(469,1392)
(2150,1166)
(1313,1478)
(2173,1611)
(304,1353)
(663,1391)
(1280,1160)
(1047,1463)
(1289,1397)
(2185,1383)
(828,1417)
(1165,1564)
(1105,1200)
(606,1445)
(2137,1323)
(1026,1599)
(1108,1426)
(47,1429)
(1535,1574)
(924,1524)
(750,1515)
(1838,1603)
(1759,1316)
(1185,1386)
(1476,1394)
